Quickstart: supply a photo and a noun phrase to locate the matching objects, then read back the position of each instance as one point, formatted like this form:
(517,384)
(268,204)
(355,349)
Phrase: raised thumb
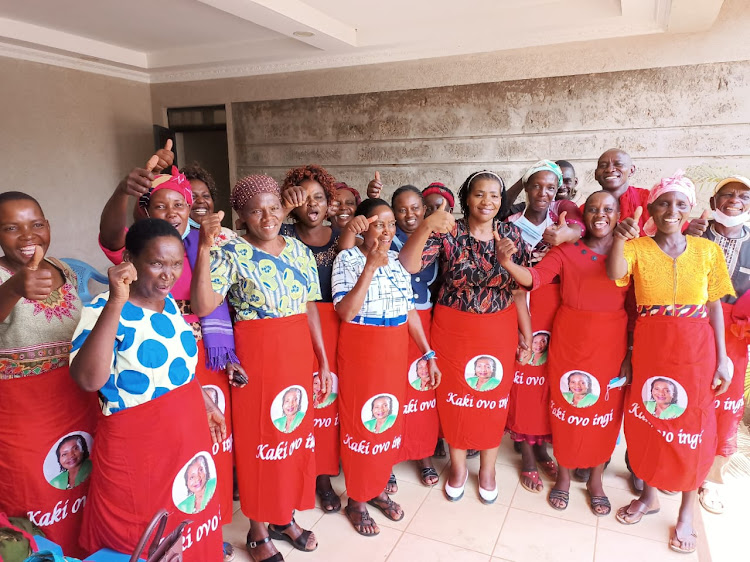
(443,205)
(377,177)
(220,215)
(372,219)
(496,235)
(637,214)
(706,214)
(168,144)
(152,162)
(561,219)
(36,259)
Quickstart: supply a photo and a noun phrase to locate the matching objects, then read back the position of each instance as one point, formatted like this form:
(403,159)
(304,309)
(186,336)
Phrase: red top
(583,278)
(633,198)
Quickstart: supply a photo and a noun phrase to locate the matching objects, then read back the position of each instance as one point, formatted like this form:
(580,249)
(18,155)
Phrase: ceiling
(176,40)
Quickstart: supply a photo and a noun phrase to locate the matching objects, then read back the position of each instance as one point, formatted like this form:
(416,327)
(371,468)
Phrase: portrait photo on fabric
(419,374)
(289,407)
(318,402)
(539,347)
(195,484)
(580,389)
(380,412)
(664,398)
(68,462)
(216,395)
(483,372)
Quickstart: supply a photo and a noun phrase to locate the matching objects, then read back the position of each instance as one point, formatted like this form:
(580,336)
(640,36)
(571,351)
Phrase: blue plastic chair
(85,273)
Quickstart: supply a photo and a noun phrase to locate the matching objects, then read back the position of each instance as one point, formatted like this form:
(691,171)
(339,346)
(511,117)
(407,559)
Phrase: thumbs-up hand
(504,248)
(210,229)
(377,256)
(698,226)
(138,181)
(164,158)
(441,221)
(120,278)
(333,208)
(629,228)
(360,223)
(293,197)
(31,282)
(560,232)
(374,187)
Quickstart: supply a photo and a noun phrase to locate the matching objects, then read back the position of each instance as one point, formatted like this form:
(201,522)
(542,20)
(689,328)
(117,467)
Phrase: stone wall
(691,117)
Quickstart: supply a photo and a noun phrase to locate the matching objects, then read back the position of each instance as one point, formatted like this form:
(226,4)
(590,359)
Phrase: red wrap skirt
(474,350)
(275,447)
(589,348)
(216,385)
(528,411)
(141,461)
(327,412)
(372,362)
(36,413)
(421,423)
(674,359)
(731,405)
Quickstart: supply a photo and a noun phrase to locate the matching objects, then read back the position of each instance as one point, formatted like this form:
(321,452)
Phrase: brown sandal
(387,507)
(364,521)
(639,509)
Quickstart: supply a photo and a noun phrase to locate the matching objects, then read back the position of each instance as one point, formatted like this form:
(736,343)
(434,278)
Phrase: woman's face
(539,343)
(291,403)
(196,480)
(733,199)
(347,206)
(432,203)
(159,265)
(22,228)
(383,229)
(316,385)
(541,189)
(71,455)
(670,211)
(600,215)
(483,369)
(380,409)
(409,211)
(262,216)
(423,371)
(577,384)
(170,206)
(662,393)
(203,202)
(484,199)
(315,209)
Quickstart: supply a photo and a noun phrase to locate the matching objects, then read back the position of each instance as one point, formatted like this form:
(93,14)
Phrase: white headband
(502,183)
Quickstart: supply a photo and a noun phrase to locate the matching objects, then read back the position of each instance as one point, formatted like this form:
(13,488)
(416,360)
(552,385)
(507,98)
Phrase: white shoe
(488,496)
(455,494)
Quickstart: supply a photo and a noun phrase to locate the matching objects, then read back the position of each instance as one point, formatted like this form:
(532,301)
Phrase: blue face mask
(187,231)
(193,224)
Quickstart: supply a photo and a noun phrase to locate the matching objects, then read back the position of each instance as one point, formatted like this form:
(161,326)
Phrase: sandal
(676,548)
(250,545)
(429,472)
(276,532)
(639,510)
(387,507)
(600,501)
(532,475)
(549,468)
(228,550)
(709,498)
(439,449)
(364,521)
(560,495)
(471,453)
(392,486)
(582,474)
(329,501)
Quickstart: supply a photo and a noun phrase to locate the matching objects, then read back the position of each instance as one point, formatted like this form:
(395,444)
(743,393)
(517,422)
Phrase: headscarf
(440,189)
(250,186)
(677,182)
(732,179)
(174,181)
(342,185)
(543,166)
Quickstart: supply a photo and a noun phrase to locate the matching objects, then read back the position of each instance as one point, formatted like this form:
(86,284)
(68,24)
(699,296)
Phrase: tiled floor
(519,527)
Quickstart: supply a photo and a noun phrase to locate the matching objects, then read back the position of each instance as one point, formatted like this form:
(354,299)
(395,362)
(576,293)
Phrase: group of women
(337,332)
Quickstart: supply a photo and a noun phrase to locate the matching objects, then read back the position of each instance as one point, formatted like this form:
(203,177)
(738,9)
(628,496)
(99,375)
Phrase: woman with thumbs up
(679,335)
(544,223)
(41,406)
(373,296)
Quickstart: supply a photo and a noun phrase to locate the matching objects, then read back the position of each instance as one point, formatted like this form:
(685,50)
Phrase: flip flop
(276,532)
(561,495)
(709,498)
(640,510)
(428,472)
(532,475)
(549,468)
(681,550)
(389,506)
(364,519)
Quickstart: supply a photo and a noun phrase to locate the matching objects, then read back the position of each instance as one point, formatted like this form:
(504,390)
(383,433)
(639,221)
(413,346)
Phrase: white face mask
(728,221)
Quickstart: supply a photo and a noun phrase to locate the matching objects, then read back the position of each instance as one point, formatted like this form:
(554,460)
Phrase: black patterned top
(324,256)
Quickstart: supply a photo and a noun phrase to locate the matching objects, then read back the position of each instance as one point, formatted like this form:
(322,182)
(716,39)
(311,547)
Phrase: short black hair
(369,205)
(565,164)
(6,196)
(195,172)
(617,201)
(145,230)
(404,189)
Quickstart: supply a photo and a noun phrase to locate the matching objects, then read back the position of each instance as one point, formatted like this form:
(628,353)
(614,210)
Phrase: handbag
(167,549)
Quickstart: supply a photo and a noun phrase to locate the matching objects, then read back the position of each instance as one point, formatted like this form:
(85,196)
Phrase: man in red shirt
(613,171)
